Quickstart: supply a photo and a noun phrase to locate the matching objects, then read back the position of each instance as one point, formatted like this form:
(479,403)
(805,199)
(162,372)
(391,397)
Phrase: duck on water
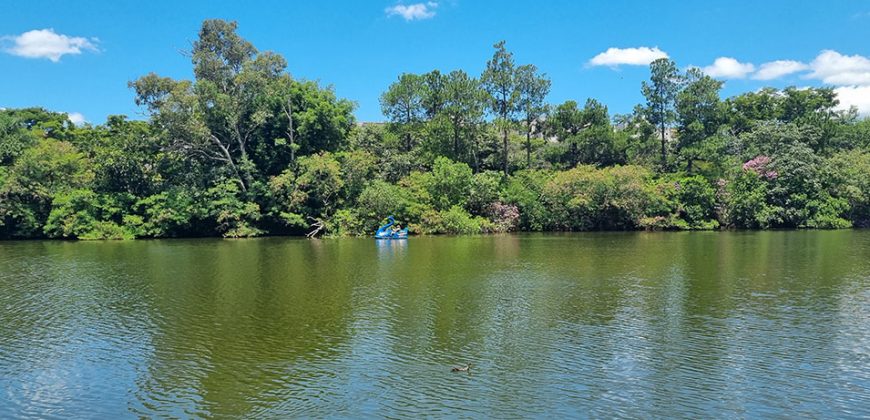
(461,368)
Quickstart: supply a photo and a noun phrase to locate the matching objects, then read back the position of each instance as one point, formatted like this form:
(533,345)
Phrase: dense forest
(244,149)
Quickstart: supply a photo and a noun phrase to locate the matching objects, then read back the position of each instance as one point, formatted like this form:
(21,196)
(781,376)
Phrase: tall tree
(215,117)
(564,123)
(500,82)
(661,95)
(306,119)
(433,93)
(587,133)
(533,89)
(565,120)
(813,107)
(698,113)
(463,106)
(741,112)
(402,103)
(597,141)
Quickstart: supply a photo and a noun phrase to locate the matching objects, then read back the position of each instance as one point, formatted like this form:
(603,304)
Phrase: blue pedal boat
(385,231)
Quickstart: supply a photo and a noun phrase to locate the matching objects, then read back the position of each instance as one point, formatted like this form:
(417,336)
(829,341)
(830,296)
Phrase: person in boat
(397,229)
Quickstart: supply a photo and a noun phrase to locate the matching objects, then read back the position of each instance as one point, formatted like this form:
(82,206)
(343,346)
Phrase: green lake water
(689,325)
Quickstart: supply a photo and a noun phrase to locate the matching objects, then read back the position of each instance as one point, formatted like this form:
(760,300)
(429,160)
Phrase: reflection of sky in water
(391,248)
(631,325)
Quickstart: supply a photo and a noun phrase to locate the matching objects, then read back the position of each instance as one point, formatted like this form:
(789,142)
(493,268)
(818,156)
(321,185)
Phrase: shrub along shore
(244,149)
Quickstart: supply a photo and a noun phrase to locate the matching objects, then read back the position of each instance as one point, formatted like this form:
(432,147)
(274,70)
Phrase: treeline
(244,149)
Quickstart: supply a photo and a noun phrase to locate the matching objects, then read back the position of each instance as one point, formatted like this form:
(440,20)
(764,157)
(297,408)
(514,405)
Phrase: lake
(692,325)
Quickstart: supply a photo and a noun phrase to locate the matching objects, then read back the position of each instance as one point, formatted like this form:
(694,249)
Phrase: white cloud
(641,56)
(728,68)
(416,11)
(850,74)
(45,43)
(857,96)
(76,118)
(837,69)
(779,68)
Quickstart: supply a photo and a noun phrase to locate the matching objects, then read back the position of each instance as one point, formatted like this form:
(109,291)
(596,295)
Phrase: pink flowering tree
(761,165)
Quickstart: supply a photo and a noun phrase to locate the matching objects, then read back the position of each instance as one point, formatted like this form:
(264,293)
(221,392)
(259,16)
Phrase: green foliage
(346,222)
(30,183)
(169,213)
(126,156)
(380,199)
(847,177)
(853,135)
(450,184)
(532,92)
(690,202)
(321,121)
(797,184)
(771,137)
(287,200)
(661,96)
(586,198)
(240,102)
(320,179)
(311,191)
(585,136)
(417,186)
(524,190)
(499,80)
(747,202)
(455,221)
(357,169)
(232,216)
(402,103)
(243,149)
(463,109)
(484,191)
(14,138)
(826,213)
(698,113)
(84,214)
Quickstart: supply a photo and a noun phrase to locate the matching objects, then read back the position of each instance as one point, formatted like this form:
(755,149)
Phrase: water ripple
(615,326)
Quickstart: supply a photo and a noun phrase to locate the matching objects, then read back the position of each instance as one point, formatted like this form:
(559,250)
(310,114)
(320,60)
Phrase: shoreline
(437,235)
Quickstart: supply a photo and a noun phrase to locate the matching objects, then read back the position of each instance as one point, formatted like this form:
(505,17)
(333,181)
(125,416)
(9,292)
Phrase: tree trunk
(319,225)
(228,157)
(574,161)
(528,149)
(247,178)
(409,126)
(290,134)
(473,140)
(505,152)
(456,142)
(664,152)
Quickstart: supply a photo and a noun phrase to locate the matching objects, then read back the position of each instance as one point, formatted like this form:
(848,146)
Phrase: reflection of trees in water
(245,324)
(770,291)
(706,317)
(278,327)
(631,311)
(500,302)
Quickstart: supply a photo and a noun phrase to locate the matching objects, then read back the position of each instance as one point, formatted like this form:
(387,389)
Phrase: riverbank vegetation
(244,149)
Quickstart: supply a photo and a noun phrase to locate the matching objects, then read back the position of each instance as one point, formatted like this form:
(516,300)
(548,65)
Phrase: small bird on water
(461,368)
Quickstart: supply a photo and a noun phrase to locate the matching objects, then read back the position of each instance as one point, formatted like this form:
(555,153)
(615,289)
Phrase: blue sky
(77,56)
